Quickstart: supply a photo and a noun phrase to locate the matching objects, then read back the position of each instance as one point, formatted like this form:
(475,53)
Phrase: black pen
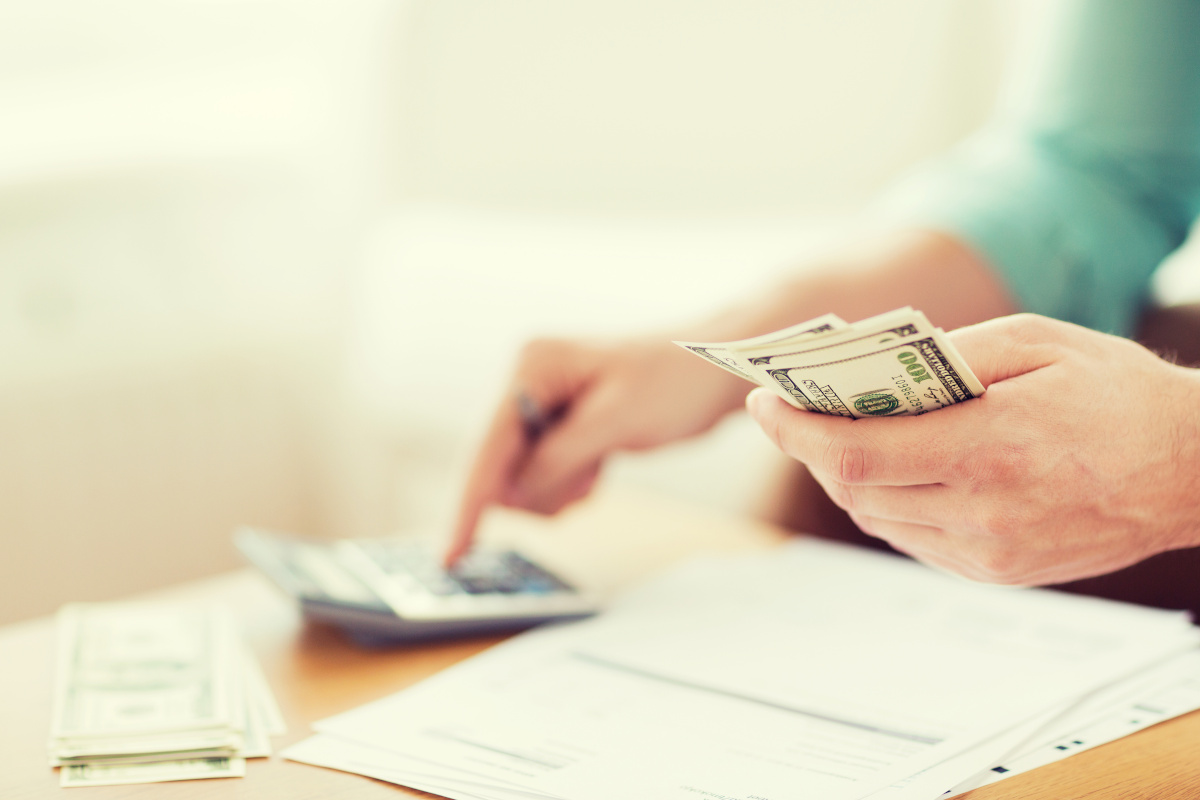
(534,420)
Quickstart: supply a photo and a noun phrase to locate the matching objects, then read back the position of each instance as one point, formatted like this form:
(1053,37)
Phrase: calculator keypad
(481,572)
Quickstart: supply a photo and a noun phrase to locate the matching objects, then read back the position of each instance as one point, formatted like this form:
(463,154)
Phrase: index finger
(1007,347)
(896,451)
(504,447)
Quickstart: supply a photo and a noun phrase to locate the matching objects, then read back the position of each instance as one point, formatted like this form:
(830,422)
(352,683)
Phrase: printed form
(813,670)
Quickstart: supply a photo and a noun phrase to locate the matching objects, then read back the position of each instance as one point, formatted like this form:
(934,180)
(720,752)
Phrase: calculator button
(417,570)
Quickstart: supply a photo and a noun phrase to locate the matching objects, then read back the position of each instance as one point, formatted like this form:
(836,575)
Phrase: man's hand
(597,399)
(1083,457)
(645,392)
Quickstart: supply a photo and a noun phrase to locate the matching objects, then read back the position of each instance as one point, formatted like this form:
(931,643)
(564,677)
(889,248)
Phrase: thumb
(1006,347)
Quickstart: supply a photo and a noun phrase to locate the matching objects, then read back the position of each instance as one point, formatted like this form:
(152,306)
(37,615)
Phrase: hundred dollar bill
(254,743)
(250,741)
(724,356)
(263,698)
(255,739)
(225,743)
(148,693)
(853,370)
(155,772)
(879,329)
(913,375)
(132,672)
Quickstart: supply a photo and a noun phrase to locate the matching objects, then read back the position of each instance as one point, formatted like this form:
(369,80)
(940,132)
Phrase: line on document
(403,774)
(509,753)
(862,726)
(440,765)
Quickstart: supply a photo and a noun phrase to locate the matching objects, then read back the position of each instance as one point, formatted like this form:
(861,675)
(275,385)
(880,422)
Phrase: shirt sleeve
(1089,174)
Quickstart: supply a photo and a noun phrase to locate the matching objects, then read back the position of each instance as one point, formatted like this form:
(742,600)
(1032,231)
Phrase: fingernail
(755,399)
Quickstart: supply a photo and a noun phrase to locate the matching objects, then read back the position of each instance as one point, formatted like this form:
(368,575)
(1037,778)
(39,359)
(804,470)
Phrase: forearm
(1182,510)
(927,270)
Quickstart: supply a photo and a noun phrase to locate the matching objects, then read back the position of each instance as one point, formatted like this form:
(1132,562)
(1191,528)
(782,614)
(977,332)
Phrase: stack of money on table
(892,364)
(149,693)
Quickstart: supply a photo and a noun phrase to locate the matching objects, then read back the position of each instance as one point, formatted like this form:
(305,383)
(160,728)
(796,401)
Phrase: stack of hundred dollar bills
(149,693)
(891,364)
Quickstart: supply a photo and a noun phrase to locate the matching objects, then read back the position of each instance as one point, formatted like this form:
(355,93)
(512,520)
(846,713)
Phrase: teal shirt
(1089,174)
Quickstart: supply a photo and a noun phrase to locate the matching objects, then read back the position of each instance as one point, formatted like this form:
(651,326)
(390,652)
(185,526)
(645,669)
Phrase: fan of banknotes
(149,693)
(889,365)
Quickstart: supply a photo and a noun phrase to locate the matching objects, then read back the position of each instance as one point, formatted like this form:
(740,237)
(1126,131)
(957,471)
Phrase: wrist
(1187,455)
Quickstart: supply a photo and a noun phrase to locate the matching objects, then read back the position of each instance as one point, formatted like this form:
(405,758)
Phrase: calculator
(390,590)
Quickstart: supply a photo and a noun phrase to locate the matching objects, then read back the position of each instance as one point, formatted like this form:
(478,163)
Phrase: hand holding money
(1082,458)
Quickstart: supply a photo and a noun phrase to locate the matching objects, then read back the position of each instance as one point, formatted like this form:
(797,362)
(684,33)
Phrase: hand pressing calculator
(395,590)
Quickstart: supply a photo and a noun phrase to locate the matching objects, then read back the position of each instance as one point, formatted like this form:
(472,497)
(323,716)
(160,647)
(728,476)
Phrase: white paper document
(1163,692)
(1144,699)
(813,670)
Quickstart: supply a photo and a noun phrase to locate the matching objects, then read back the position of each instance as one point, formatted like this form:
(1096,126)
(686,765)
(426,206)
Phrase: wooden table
(315,672)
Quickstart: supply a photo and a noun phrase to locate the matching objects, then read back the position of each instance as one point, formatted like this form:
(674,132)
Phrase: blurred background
(269,262)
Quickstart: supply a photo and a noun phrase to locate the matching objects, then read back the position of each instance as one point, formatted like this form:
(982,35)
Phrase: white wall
(184,186)
(717,105)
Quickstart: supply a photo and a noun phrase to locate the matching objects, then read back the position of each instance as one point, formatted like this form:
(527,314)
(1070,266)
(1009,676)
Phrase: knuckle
(1001,558)
(996,523)
(538,350)
(1053,337)
(1003,464)
(551,370)
(864,523)
(842,496)
(1033,327)
(845,460)
(1001,565)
